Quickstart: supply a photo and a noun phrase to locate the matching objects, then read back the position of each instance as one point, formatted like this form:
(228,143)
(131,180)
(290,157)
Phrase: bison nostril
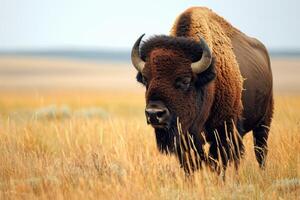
(157,115)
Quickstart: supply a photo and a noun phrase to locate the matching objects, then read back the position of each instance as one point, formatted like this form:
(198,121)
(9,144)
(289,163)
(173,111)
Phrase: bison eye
(183,83)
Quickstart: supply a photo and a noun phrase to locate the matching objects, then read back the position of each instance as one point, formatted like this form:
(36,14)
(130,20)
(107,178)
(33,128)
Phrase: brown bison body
(210,86)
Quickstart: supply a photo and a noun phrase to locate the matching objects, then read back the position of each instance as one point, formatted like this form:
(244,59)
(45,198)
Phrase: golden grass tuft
(116,157)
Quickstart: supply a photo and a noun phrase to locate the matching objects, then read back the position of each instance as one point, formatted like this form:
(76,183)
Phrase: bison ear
(139,77)
(207,76)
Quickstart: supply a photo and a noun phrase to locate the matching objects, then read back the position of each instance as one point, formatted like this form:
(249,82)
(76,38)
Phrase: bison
(206,83)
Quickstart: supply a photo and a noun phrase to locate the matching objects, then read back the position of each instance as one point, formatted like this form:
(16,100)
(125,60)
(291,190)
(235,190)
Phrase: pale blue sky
(35,24)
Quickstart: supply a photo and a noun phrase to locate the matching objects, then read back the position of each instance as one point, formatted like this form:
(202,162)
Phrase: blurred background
(85,45)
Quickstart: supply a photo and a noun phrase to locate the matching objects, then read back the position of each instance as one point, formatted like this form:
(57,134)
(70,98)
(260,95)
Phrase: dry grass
(115,157)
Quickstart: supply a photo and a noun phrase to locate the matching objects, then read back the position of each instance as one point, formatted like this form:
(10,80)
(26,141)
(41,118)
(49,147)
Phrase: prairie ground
(64,136)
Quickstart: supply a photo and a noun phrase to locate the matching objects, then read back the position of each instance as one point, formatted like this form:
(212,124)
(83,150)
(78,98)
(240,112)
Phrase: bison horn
(136,60)
(205,61)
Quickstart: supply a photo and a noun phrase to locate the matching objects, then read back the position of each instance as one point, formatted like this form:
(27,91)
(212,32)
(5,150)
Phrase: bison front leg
(225,145)
(218,156)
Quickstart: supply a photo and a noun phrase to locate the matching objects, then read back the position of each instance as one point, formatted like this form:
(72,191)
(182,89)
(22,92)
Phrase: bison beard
(190,106)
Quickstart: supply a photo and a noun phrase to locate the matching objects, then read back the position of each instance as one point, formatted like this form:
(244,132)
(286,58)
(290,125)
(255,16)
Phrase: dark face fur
(170,82)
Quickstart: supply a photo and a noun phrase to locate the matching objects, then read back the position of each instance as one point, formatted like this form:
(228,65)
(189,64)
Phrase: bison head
(176,72)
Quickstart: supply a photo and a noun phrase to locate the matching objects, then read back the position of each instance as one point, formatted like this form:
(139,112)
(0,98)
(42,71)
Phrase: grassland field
(76,130)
